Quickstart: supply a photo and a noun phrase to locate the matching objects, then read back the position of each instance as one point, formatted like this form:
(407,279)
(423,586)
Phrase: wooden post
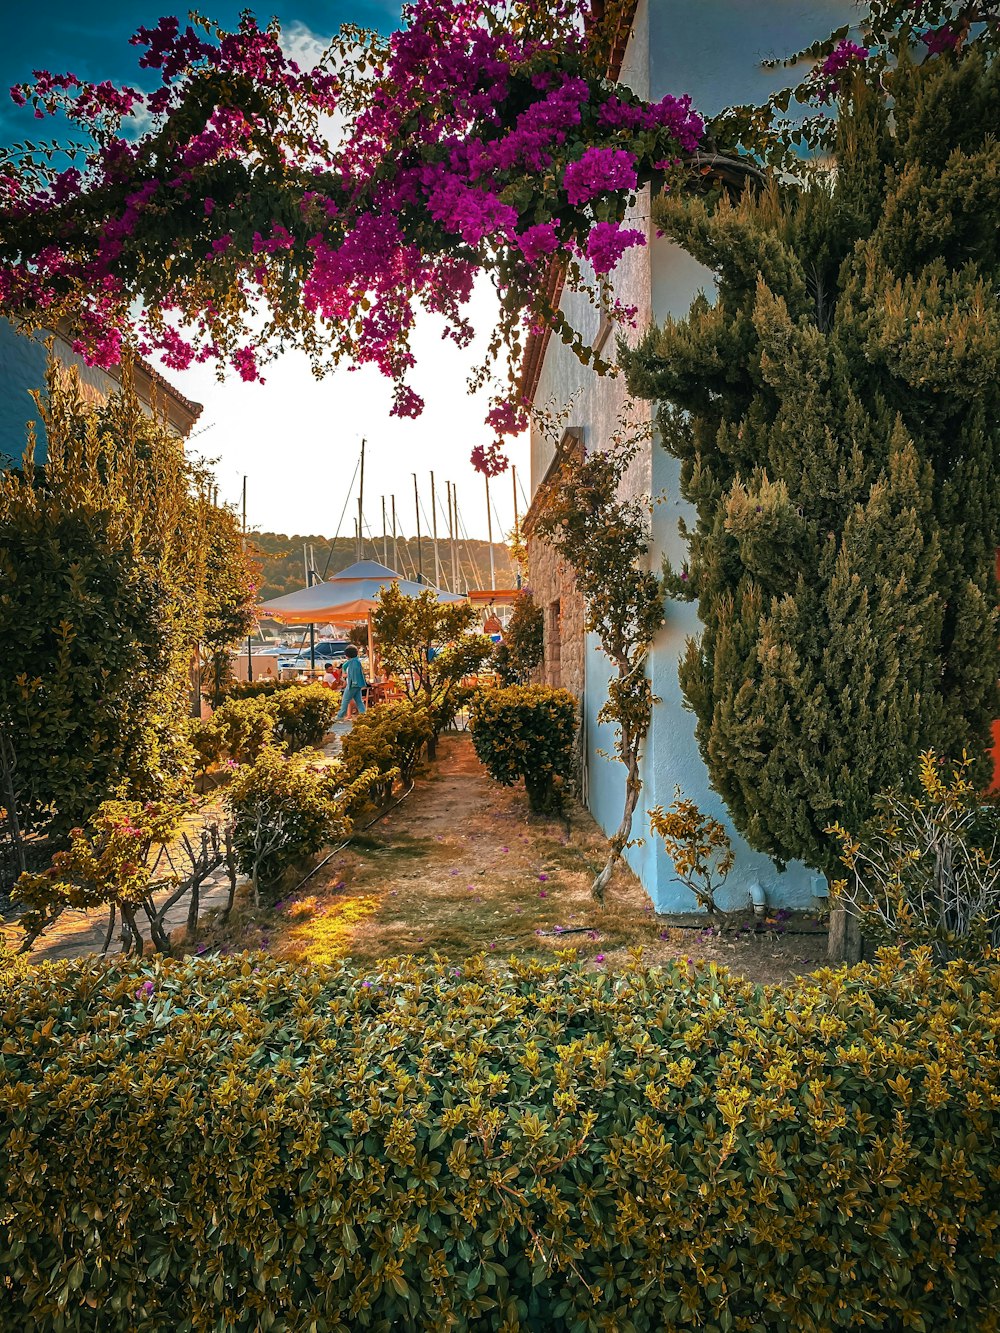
(844,943)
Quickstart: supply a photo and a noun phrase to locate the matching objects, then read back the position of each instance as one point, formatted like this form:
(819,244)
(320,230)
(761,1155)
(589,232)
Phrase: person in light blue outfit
(354,683)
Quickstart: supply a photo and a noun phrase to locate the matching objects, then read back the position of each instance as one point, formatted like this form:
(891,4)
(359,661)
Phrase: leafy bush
(248,722)
(284,807)
(698,845)
(106,862)
(387,738)
(205,738)
(303,714)
(549,1148)
(526,731)
(244,727)
(111,556)
(426,646)
(926,868)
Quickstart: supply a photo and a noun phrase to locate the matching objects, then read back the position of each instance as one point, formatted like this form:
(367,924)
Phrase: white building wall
(712,51)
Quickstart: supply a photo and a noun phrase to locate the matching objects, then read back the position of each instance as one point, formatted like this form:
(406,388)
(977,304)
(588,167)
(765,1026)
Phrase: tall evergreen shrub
(836,411)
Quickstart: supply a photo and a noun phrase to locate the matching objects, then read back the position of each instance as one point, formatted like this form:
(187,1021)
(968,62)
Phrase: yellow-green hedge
(242,1145)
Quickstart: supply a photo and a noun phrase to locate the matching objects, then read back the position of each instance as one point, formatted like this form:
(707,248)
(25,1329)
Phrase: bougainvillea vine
(245,204)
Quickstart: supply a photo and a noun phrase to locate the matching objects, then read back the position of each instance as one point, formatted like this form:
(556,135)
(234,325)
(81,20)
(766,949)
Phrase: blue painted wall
(713,51)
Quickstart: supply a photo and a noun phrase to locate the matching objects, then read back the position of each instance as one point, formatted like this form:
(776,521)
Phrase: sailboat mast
(361,501)
(420,554)
(451,539)
(434,530)
(489,529)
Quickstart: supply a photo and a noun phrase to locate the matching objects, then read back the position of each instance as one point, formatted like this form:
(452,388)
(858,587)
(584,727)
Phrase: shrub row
(242,1145)
(242,726)
(388,738)
(254,689)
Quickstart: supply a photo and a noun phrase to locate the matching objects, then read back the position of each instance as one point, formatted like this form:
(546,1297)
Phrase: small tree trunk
(633,788)
(111,930)
(134,942)
(230,869)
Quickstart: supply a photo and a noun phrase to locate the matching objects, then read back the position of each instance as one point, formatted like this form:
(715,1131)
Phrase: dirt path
(460,867)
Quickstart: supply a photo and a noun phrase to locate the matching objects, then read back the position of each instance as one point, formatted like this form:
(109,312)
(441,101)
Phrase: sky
(296,439)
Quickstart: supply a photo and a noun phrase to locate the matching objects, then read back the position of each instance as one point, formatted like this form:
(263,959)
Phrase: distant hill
(283,570)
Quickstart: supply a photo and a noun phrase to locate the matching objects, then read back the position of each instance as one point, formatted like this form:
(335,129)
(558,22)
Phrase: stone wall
(556,595)
(565,663)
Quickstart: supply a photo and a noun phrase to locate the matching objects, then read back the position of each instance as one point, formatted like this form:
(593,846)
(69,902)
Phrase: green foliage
(925,870)
(250,719)
(303,715)
(286,807)
(698,846)
(103,558)
(243,727)
(265,686)
(231,581)
(546,1148)
(527,731)
(206,740)
(387,738)
(425,644)
(837,417)
(604,538)
(523,644)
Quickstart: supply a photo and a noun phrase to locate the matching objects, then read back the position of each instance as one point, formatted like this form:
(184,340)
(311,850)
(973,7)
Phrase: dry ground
(460,867)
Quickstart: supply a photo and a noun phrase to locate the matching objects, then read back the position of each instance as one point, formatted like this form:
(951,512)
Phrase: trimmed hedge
(304,715)
(243,1145)
(263,686)
(245,724)
(527,731)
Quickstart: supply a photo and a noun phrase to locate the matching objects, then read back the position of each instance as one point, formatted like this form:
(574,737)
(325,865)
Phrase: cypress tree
(836,411)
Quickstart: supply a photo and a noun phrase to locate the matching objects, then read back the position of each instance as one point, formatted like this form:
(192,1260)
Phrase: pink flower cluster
(843,55)
(607,243)
(599,171)
(939,40)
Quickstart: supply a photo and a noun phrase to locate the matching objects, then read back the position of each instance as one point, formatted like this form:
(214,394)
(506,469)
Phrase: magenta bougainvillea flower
(466,141)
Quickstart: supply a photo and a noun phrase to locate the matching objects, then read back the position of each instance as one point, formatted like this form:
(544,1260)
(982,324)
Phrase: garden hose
(347,841)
